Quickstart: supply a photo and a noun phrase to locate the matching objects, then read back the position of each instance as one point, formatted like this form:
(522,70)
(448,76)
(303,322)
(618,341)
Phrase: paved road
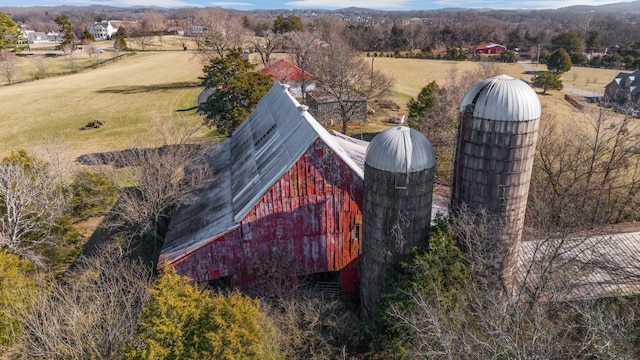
(530,67)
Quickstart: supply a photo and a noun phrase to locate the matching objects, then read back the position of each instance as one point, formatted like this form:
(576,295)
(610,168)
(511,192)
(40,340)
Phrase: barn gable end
(287,188)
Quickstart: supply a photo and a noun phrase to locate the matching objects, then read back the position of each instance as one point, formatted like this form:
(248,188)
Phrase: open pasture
(127,95)
(131,93)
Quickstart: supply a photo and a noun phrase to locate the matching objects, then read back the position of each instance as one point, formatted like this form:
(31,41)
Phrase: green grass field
(129,95)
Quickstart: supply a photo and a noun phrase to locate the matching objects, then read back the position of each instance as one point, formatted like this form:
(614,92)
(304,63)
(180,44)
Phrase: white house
(103,30)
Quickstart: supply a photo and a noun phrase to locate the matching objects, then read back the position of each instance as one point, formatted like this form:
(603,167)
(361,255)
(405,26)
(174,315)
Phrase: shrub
(91,195)
(17,290)
(183,322)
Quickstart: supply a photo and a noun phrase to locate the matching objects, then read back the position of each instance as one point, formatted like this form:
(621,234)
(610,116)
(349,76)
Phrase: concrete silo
(497,132)
(398,188)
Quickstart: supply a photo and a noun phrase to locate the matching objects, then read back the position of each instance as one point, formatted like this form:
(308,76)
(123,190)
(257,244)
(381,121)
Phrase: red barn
(283,188)
(490,48)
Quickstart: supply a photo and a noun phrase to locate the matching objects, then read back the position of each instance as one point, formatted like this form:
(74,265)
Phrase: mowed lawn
(128,95)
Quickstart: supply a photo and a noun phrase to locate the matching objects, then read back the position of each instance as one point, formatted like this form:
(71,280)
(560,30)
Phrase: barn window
(245,232)
(401,181)
(355,233)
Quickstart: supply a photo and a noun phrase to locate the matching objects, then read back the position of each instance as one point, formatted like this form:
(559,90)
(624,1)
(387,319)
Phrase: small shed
(397,119)
(325,106)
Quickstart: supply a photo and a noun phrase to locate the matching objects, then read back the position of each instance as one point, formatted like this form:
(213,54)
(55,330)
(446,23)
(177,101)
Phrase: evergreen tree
(10,33)
(569,41)
(426,100)
(17,291)
(547,80)
(184,322)
(87,35)
(120,42)
(287,24)
(238,90)
(559,62)
(68,37)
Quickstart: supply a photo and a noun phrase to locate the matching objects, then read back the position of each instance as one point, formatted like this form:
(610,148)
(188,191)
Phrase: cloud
(339,4)
(526,4)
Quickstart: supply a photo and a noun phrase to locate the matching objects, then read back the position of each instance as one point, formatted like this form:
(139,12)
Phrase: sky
(321,4)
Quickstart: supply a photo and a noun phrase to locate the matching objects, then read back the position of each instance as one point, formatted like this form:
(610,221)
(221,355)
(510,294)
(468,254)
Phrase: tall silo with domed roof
(397,200)
(496,141)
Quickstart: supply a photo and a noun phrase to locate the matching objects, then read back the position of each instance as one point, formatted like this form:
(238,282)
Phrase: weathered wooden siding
(309,215)
(493,165)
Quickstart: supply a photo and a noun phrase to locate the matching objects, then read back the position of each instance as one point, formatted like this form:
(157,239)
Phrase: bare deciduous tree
(266,45)
(154,23)
(481,325)
(301,46)
(160,177)
(222,31)
(585,175)
(342,73)
(31,201)
(142,39)
(8,66)
(42,65)
(92,314)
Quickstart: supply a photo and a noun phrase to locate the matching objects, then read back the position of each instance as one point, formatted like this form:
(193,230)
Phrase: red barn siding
(308,215)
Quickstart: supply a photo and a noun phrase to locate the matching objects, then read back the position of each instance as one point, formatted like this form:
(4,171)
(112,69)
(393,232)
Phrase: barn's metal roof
(582,268)
(502,98)
(402,150)
(258,153)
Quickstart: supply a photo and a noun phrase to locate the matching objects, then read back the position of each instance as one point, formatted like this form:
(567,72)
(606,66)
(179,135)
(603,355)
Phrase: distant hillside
(632,7)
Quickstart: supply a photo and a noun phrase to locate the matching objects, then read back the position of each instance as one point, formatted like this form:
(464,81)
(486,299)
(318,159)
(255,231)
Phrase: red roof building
(287,73)
(490,48)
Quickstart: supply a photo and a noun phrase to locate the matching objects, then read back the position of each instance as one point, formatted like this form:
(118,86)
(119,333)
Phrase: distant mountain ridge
(632,7)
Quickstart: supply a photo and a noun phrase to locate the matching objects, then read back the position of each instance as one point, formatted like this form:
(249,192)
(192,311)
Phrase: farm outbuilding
(490,49)
(325,107)
(286,194)
(285,72)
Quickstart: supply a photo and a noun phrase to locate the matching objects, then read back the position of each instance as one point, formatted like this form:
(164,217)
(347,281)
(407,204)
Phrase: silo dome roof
(402,150)
(502,98)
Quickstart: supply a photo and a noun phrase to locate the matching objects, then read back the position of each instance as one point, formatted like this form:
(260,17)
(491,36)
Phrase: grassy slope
(128,95)
(131,93)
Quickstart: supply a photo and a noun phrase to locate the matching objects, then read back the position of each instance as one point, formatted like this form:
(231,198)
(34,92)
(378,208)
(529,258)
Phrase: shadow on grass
(126,90)
(367,136)
(137,247)
(533,72)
